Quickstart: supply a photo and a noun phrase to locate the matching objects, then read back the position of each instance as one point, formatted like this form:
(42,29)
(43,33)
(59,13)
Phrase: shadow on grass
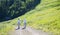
(4,8)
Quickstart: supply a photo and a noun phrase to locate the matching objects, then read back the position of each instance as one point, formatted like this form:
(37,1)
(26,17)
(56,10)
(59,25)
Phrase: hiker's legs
(24,25)
(18,26)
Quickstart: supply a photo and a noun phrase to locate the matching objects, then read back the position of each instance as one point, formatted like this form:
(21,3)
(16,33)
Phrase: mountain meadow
(40,14)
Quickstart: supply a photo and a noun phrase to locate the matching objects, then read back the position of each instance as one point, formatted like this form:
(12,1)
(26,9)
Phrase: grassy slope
(5,27)
(46,16)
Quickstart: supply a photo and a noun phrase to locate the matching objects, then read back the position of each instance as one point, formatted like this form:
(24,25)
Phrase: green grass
(5,27)
(45,16)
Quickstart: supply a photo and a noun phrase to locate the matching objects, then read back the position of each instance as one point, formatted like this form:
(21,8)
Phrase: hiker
(24,21)
(18,23)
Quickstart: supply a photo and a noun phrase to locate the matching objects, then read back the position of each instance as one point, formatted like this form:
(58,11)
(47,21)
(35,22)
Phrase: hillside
(45,16)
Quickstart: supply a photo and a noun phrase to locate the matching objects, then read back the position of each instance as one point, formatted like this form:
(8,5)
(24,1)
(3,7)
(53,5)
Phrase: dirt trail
(27,31)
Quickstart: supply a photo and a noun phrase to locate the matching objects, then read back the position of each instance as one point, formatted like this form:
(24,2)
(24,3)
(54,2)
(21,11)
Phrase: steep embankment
(46,16)
(10,9)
